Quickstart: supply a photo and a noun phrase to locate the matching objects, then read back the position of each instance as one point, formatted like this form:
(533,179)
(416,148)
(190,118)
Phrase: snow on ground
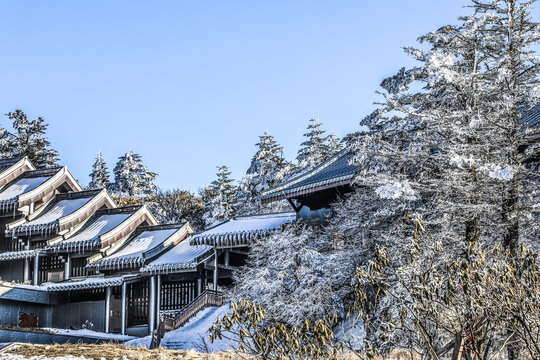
(351,333)
(194,334)
(90,333)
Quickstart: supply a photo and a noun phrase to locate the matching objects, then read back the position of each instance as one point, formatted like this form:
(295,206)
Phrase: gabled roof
(11,168)
(102,229)
(64,212)
(179,258)
(241,230)
(333,172)
(146,244)
(35,185)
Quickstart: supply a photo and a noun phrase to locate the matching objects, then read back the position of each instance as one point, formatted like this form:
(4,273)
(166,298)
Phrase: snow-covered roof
(240,230)
(62,212)
(88,283)
(180,257)
(8,162)
(9,195)
(16,255)
(88,236)
(333,172)
(143,246)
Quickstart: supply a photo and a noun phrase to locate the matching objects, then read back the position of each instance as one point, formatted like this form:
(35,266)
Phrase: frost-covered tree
(334,144)
(314,150)
(295,276)
(174,206)
(220,197)
(131,177)
(268,167)
(448,147)
(99,177)
(29,139)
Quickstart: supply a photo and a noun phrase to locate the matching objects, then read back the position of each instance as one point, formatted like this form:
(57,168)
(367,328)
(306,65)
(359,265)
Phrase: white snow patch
(498,172)
(191,335)
(396,190)
(350,332)
(90,333)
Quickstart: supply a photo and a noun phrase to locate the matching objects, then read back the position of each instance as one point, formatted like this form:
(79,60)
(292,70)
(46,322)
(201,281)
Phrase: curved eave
(17,255)
(46,190)
(309,188)
(232,239)
(15,170)
(85,211)
(164,269)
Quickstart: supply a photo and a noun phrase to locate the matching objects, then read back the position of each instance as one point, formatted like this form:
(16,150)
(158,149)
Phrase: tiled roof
(47,221)
(6,163)
(241,230)
(17,255)
(333,172)
(88,283)
(531,121)
(180,257)
(88,236)
(142,246)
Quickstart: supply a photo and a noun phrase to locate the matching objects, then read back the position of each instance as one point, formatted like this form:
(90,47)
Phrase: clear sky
(191,84)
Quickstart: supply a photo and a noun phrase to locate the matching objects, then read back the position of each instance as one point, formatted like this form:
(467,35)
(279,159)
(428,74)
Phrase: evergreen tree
(220,197)
(334,144)
(267,169)
(131,177)
(29,140)
(314,150)
(99,177)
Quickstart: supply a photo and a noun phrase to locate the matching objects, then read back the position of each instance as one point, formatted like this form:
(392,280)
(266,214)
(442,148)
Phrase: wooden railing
(177,318)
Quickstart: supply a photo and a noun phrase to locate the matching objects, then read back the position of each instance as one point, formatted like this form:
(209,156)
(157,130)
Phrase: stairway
(171,320)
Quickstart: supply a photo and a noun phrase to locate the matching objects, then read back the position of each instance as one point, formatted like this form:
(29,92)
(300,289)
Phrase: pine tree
(174,206)
(99,177)
(220,197)
(29,140)
(131,177)
(334,144)
(314,150)
(267,169)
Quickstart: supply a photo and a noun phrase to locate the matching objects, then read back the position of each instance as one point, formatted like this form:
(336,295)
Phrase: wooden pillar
(107,308)
(67,267)
(26,274)
(215,269)
(158,297)
(199,286)
(227,257)
(152,303)
(124,309)
(36,270)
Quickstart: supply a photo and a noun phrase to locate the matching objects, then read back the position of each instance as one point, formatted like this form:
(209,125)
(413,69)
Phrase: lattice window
(176,295)
(137,303)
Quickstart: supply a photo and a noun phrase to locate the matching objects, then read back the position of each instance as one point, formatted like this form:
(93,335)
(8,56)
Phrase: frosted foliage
(99,177)
(28,139)
(132,177)
(317,148)
(220,198)
(268,168)
(295,276)
(447,144)
(395,191)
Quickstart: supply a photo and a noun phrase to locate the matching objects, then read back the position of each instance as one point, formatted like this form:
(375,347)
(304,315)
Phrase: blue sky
(191,84)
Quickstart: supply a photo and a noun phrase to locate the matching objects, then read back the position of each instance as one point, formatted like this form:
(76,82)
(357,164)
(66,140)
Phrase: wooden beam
(296,208)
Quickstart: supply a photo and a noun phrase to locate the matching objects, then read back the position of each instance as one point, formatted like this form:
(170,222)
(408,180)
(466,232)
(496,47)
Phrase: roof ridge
(119,210)
(38,172)
(265,216)
(78,194)
(162,226)
(344,152)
